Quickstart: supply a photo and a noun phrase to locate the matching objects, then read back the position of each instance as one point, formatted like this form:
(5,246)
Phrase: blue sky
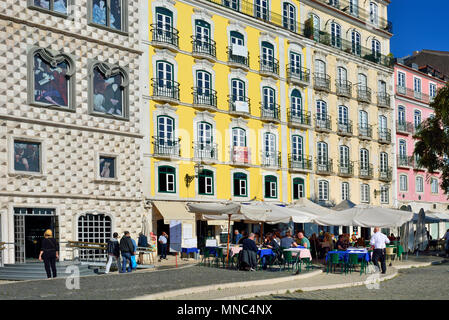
(419,25)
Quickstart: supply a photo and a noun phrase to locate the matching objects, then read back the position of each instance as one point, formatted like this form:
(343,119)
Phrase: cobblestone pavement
(126,286)
(425,283)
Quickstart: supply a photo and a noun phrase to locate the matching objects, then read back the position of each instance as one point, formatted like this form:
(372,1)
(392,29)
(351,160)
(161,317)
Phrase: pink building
(414,90)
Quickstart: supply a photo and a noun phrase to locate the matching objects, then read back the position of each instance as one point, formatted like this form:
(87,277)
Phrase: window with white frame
(401,82)
(60,7)
(417,118)
(419,184)
(206,182)
(112,14)
(432,90)
(270,187)
(166,179)
(364,193)
(298,188)
(240,181)
(356,42)
(384,194)
(403,183)
(233,4)
(323,190)
(417,87)
(289,16)
(434,185)
(375,48)
(344,191)
(262,9)
(373,13)
(335,35)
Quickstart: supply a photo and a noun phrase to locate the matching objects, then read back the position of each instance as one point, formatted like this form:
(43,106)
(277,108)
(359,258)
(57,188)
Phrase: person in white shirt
(163,241)
(378,242)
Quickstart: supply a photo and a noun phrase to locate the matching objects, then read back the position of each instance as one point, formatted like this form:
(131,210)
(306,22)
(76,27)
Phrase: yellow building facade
(238,104)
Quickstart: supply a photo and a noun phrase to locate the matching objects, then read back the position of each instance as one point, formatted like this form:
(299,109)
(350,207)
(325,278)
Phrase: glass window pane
(108,93)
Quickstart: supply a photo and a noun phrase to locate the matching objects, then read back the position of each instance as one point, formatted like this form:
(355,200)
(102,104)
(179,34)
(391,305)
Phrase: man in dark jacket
(249,252)
(142,242)
(127,249)
(113,250)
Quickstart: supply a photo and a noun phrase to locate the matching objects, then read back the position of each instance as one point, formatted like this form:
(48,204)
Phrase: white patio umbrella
(442,216)
(306,206)
(260,211)
(420,242)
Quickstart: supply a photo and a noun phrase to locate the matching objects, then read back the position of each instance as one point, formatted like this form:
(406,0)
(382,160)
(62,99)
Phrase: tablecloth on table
(189,250)
(303,252)
(265,252)
(235,250)
(344,255)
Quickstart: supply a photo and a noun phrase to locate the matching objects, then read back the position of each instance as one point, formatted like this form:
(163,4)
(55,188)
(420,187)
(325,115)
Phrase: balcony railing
(385,135)
(344,88)
(164,35)
(240,155)
(298,75)
(324,166)
(346,169)
(323,123)
(237,59)
(321,82)
(204,47)
(299,162)
(269,67)
(365,131)
(205,151)
(271,159)
(385,174)
(240,105)
(344,129)
(366,171)
(164,147)
(410,93)
(165,89)
(204,97)
(270,111)
(299,118)
(383,100)
(247,8)
(416,165)
(363,94)
(404,127)
(404,161)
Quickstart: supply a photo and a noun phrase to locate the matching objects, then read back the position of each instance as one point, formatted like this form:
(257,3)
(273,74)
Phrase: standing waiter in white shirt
(379,241)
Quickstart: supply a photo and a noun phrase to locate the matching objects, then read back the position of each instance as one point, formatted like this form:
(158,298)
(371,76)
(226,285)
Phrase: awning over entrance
(173,210)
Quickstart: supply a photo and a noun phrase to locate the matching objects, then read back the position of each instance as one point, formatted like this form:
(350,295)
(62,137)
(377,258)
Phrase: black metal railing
(324,166)
(299,117)
(383,100)
(366,170)
(299,75)
(166,147)
(385,174)
(323,122)
(271,159)
(344,128)
(269,66)
(164,35)
(204,97)
(346,169)
(164,88)
(404,161)
(204,46)
(239,104)
(270,111)
(344,88)
(299,162)
(404,127)
(411,93)
(365,131)
(207,151)
(363,94)
(321,81)
(384,135)
(233,58)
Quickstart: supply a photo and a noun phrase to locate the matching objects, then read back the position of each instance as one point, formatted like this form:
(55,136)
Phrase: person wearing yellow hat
(49,253)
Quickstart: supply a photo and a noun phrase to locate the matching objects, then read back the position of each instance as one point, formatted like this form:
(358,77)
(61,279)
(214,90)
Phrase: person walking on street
(113,250)
(378,242)
(163,241)
(126,249)
(142,242)
(49,253)
(446,237)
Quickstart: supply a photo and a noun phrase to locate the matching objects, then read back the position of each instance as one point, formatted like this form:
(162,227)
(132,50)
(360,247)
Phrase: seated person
(287,241)
(249,253)
(342,244)
(303,241)
(272,244)
(360,242)
(392,237)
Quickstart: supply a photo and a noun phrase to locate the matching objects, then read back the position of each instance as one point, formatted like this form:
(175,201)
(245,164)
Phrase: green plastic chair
(288,259)
(235,261)
(306,262)
(334,260)
(206,258)
(353,261)
(220,257)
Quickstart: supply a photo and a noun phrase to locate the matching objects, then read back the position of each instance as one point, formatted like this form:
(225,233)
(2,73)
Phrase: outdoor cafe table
(189,250)
(303,252)
(265,252)
(344,255)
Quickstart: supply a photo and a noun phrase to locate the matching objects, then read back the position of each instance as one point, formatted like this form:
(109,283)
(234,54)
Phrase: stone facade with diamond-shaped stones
(71,140)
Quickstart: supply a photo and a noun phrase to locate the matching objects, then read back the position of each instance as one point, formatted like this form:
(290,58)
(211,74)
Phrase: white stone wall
(71,141)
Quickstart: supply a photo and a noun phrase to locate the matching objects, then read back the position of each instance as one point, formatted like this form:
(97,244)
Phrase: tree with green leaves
(432,147)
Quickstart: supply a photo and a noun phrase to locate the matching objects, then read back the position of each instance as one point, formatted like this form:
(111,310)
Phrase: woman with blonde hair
(49,253)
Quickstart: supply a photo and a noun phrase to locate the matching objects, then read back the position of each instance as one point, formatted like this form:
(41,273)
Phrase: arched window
(164,84)
(344,159)
(238,137)
(297,148)
(354,7)
(206,182)
(205,137)
(343,116)
(403,183)
(110,90)
(298,188)
(316,26)
(364,160)
(163,31)
(321,110)
(296,103)
(270,183)
(51,79)
(166,179)
(356,41)
(240,182)
(323,190)
(202,31)
(363,119)
(267,57)
(402,149)
(238,100)
(419,184)
(289,16)
(95,228)
(383,162)
(335,35)
(270,156)
(375,48)
(401,115)
(344,191)
(434,185)
(417,118)
(268,98)
(322,156)
(374,13)
(237,38)
(364,193)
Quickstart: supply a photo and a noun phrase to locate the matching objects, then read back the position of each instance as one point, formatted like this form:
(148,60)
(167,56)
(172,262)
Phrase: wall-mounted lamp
(188,178)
